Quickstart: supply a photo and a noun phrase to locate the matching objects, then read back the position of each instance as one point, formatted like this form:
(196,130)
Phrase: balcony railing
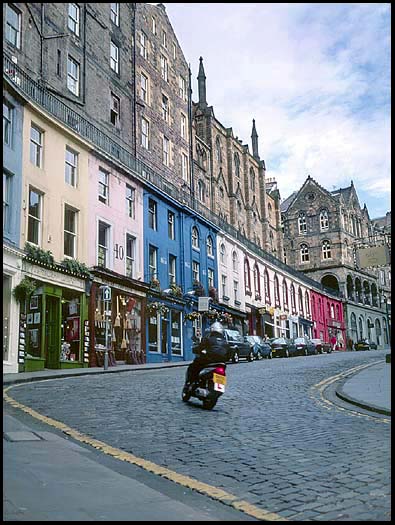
(37,93)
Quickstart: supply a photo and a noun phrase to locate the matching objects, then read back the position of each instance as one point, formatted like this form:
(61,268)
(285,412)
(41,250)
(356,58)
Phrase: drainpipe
(134,80)
(192,185)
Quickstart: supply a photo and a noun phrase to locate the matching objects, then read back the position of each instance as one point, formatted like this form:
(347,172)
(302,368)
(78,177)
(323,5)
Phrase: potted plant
(154,283)
(199,288)
(24,289)
(176,290)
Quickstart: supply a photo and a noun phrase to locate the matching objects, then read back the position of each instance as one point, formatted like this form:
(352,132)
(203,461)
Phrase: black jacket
(217,349)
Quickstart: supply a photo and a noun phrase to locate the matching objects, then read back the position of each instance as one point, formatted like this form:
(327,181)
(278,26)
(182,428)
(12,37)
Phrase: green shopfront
(54,320)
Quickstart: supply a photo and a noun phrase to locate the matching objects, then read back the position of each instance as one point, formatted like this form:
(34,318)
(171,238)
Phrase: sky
(316,79)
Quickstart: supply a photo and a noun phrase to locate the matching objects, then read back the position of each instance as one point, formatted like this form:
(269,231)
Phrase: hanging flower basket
(24,289)
(154,283)
(156,308)
(199,288)
(176,290)
(192,316)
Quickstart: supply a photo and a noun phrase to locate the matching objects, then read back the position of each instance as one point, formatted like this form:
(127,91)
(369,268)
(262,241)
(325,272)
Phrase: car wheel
(250,356)
(287,353)
(305,351)
(258,355)
(270,355)
(235,357)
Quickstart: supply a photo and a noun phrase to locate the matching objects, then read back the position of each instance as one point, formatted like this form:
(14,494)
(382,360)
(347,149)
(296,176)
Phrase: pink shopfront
(328,318)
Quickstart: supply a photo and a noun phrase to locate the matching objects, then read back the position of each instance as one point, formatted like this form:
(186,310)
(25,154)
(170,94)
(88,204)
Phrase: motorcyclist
(212,348)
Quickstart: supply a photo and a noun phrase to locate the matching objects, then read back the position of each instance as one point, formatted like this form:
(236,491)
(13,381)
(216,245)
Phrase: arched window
(221,192)
(302,223)
(360,326)
(324,220)
(210,251)
(332,311)
(201,191)
(304,253)
(267,286)
(300,296)
(218,150)
(307,303)
(257,281)
(285,294)
(237,165)
(222,253)
(252,180)
(293,299)
(195,238)
(326,250)
(234,261)
(247,276)
(338,312)
(276,291)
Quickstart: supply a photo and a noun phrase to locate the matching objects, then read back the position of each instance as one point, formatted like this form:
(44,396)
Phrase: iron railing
(27,87)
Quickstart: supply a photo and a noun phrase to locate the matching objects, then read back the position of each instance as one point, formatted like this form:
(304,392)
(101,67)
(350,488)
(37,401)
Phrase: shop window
(33,325)
(153,333)
(71,327)
(6,315)
(176,333)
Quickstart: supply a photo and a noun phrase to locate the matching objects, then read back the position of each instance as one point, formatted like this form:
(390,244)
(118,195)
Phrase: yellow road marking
(186,481)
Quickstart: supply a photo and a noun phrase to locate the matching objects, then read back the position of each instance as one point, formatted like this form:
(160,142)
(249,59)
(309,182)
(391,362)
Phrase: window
(145,133)
(70,232)
(302,223)
(7,187)
(300,295)
(234,261)
(222,253)
(114,57)
(326,250)
(143,45)
(182,87)
(235,290)
(285,255)
(166,151)
(307,303)
(130,255)
(36,146)
(332,311)
(153,26)
(184,167)
(210,277)
(218,150)
(8,112)
(164,39)
(130,201)
(34,217)
(201,191)
(257,281)
(304,253)
(183,126)
(59,63)
(267,286)
(252,180)
(324,221)
(171,225)
(195,238)
(195,271)
(165,108)
(164,67)
(74,19)
(73,76)
(285,295)
(103,186)
(144,87)
(172,269)
(223,285)
(115,110)
(71,167)
(103,245)
(152,214)
(293,298)
(174,51)
(237,165)
(210,248)
(247,277)
(13,26)
(114,13)
(276,291)
(6,316)
(153,262)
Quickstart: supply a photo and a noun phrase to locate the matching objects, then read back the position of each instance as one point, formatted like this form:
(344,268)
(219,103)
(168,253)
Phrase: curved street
(271,440)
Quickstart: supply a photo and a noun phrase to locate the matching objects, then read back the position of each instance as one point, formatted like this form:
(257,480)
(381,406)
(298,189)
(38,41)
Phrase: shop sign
(262,311)
(283,317)
(86,341)
(55,278)
(203,304)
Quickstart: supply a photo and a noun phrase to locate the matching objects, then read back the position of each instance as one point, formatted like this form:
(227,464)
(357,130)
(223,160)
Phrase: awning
(305,322)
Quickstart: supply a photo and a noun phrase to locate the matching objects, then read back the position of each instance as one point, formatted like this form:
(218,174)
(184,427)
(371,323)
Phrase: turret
(202,85)
(254,138)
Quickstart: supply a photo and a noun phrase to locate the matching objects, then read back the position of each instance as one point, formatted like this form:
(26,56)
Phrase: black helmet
(216,328)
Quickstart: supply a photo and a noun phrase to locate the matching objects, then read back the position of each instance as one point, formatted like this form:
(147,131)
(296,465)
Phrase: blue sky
(316,78)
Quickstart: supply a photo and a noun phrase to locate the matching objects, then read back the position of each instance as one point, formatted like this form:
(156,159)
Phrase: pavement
(102,488)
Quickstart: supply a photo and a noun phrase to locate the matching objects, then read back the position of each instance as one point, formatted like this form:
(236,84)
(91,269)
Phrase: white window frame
(165,151)
(184,167)
(195,238)
(7,190)
(72,234)
(236,290)
(153,214)
(103,186)
(73,21)
(210,277)
(144,87)
(302,224)
(131,201)
(73,76)
(183,127)
(326,250)
(114,14)
(223,285)
(222,252)
(115,110)
(164,68)
(153,262)
(8,119)
(324,220)
(130,258)
(114,57)
(143,44)
(13,34)
(171,224)
(210,246)
(172,269)
(304,253)
(153,25)
(106,247)
(195,271)
(165,108)
(37,144)
(164,39)
(201,191)
(182,87)
(145,129)
(234,261)
(34,218)
(72,163)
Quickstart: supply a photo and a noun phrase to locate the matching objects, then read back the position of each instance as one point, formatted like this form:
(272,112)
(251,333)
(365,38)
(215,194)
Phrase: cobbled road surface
(270,440)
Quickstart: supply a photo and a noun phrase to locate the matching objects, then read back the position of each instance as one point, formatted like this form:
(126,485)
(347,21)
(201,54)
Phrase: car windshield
(316,341)
(299,340)
(253,338)
(234,335)
(279,340)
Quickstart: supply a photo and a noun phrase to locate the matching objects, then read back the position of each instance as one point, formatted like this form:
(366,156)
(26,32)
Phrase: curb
(372,408)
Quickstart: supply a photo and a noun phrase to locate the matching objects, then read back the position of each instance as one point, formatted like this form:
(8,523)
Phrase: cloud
(316,78)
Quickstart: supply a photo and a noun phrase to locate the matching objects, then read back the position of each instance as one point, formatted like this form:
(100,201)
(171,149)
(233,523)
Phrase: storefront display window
(176,333)
(153,335)
(71,328)
(33,325)
(6,315)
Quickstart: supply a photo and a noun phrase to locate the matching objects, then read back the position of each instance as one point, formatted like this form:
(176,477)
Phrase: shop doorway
(52,332)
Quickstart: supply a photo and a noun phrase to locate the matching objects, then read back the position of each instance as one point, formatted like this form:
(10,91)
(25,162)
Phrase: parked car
(239,348)
(365,344)
(282,347)
(260,348)
(322,346)
(304,346)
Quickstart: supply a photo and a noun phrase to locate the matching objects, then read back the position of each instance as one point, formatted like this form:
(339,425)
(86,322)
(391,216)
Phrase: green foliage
(39,255)
(77,267)
(24,289)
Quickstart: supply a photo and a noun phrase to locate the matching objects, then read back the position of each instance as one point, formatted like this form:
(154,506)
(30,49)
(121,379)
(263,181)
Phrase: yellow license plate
(219,379)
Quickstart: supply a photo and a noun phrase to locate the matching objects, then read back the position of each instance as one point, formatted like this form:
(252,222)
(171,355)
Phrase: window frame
(145,137)
(195,271)
(164,68)
(115,101)
(165,151)
(326,250)
(302,224)
(74,21)
(131,201)
(114,14)
(73,81)
(38,146)
(304,253)
(9,27)
(74,167)
(195,238)
(324,220)
(153,214)
(130,257)
(144,88)
(8,123)
(171,225)
(70,233)
(34,218)
(103,196)
(114,61)
(210,246)
(172,269)
(105,247)
(153,262)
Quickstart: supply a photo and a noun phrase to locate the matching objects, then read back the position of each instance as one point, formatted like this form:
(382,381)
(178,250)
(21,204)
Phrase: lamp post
(384,300)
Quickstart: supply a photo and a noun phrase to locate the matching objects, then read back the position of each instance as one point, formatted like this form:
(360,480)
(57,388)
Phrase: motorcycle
(209,386)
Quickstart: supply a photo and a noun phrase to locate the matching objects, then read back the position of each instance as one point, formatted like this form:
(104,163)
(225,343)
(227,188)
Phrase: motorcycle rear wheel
(186,394)
(208,404)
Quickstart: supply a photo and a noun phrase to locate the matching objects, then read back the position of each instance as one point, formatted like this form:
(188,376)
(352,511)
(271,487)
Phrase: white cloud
(316,78)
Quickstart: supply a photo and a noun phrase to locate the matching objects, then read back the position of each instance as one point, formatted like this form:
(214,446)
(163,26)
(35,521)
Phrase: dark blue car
(259,347)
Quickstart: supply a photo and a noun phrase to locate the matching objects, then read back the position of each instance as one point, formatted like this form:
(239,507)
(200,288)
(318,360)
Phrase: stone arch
(358,290)
(369,326)
(350,288)
(330,281)
(373,291)
(366,292)
(377,326)
(360,327)
(353,326)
